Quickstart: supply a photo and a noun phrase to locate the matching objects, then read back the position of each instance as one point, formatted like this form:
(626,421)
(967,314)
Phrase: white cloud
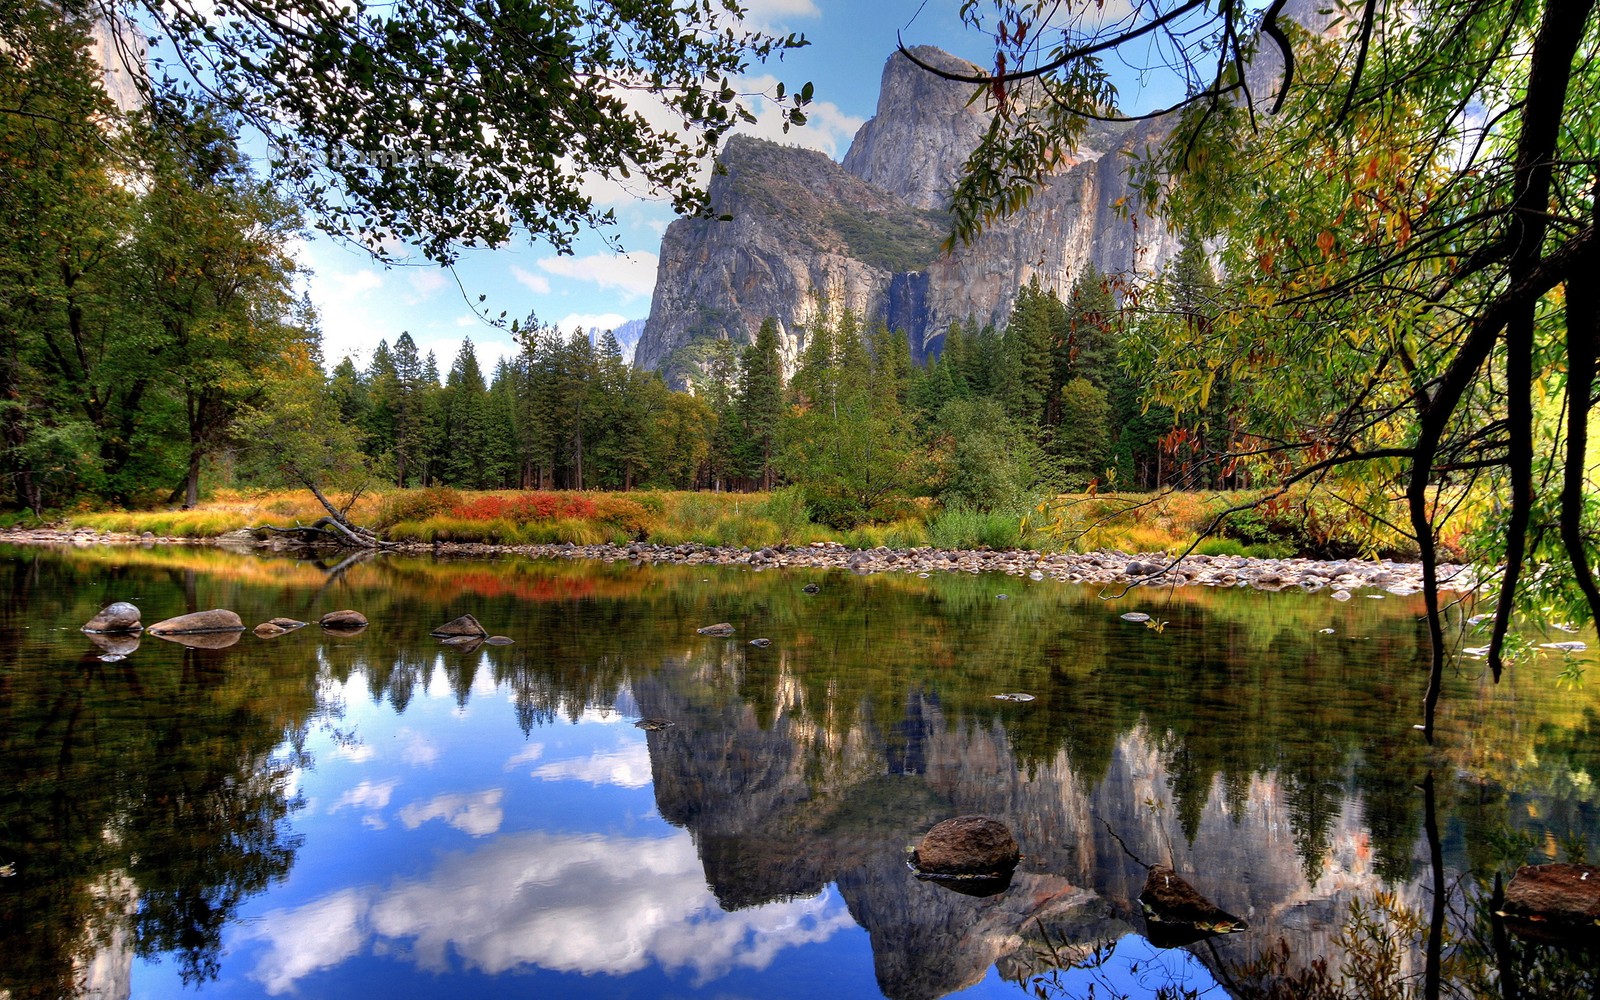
(354,283)
(589,321)
(527,755)
(557,902)
(633,274)
(358,753)
(537,283)
(767,15)
(418,750)
(478,813)
(366,795)
(318,935)
(827,129)
(425,282)
(624,767)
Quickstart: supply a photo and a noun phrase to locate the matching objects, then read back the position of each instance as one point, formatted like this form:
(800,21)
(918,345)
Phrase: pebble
(1341,576)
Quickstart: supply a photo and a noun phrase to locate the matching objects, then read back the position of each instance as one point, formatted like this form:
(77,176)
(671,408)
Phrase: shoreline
(1104,567)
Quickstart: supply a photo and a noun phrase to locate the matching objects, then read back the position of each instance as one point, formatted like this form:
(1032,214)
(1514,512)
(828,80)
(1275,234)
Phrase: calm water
(381,815)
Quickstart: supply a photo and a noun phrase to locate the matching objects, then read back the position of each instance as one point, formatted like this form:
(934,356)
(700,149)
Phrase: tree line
(997,416)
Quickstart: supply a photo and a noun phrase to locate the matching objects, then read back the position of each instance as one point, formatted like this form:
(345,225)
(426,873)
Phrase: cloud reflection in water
(568,903)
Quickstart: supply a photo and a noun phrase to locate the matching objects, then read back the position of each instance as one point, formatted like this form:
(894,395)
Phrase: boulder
(1561,898)
(199,623)
(1183,914)
(465,626)
(119,616)
(343,621)
(274,627)
(721,628)
(967,846)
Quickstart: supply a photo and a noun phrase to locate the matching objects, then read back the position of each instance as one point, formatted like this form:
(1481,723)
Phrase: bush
(786,509)
(415,505)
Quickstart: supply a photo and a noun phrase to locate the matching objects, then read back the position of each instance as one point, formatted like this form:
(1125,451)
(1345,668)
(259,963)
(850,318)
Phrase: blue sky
(361,301)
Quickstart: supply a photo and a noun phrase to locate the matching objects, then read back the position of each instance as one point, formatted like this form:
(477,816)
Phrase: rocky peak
(923,131)
(804,234)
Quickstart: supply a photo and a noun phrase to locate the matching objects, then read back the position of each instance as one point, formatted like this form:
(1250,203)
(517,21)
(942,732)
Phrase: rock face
(116,617)
(967,845)
(808,234)
(199,623)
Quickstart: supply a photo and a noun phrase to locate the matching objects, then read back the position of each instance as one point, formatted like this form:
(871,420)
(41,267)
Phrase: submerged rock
(1555,902)
(500,640)
(274,627)
(463,643)
(720,629)
(119,616)
(199,623)
(1178,914)
(466,625)
(343,621)
(967,847)
(761,643)
(654,725)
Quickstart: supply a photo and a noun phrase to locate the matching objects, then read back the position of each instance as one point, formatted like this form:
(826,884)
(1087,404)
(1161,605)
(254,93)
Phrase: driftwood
(335,527)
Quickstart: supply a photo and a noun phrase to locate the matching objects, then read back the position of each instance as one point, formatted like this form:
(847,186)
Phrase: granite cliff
(800,233)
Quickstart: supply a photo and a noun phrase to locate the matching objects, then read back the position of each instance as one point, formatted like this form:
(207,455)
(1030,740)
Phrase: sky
(360,301)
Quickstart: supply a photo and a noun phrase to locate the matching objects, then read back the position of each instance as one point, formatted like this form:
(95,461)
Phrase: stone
(1168,899)
(810,588)
(119,616)
(500,640)
(1564,897)
(274,627)
(463,643)
(761,643)
(719,629)
(466,625)
(202,640)
(970,846)
(343,621)
(199,623)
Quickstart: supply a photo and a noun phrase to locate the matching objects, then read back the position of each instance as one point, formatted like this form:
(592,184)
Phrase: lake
(380,814)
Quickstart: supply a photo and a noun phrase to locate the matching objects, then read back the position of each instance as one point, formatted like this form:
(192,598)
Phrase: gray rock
(500,640)
(466,625)
(199,623)
(967,846)
(343,621)
(119,616)
(719,629)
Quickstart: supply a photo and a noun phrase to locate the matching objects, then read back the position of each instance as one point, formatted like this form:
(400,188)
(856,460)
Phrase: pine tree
(758,408)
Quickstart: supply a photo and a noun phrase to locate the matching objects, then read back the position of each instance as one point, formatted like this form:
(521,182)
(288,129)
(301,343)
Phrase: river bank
(1112,567)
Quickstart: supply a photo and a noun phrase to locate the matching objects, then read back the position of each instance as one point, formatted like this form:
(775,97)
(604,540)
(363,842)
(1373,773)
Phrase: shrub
(786,509)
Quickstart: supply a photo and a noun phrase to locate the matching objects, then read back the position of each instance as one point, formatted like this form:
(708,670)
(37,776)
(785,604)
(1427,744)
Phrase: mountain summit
(807,234)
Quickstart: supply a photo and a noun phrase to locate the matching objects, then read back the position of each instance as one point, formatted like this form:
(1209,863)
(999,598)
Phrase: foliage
(447,125)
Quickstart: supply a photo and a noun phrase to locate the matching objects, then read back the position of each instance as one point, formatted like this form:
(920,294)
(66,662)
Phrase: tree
(451,124)
(758,408)
(210,253)
(1410,248)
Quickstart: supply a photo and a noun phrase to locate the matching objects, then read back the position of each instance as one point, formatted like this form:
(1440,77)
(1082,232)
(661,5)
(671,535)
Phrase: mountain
(627,337)
(801,233)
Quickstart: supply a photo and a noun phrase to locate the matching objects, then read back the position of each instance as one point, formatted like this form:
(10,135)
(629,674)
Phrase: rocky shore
(1110,567)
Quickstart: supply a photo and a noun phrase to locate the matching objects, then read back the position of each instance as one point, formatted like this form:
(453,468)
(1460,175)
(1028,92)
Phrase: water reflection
(377,806)
(583,903)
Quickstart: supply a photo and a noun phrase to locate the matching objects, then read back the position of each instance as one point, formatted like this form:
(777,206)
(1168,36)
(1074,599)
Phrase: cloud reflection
(476,813)
(585,904)
(626,766)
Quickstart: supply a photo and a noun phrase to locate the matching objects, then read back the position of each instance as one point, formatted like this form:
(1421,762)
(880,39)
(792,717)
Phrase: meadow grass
(1136,523)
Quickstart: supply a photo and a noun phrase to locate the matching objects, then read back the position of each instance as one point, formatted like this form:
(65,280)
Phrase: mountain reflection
(586,904)
(495,811)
